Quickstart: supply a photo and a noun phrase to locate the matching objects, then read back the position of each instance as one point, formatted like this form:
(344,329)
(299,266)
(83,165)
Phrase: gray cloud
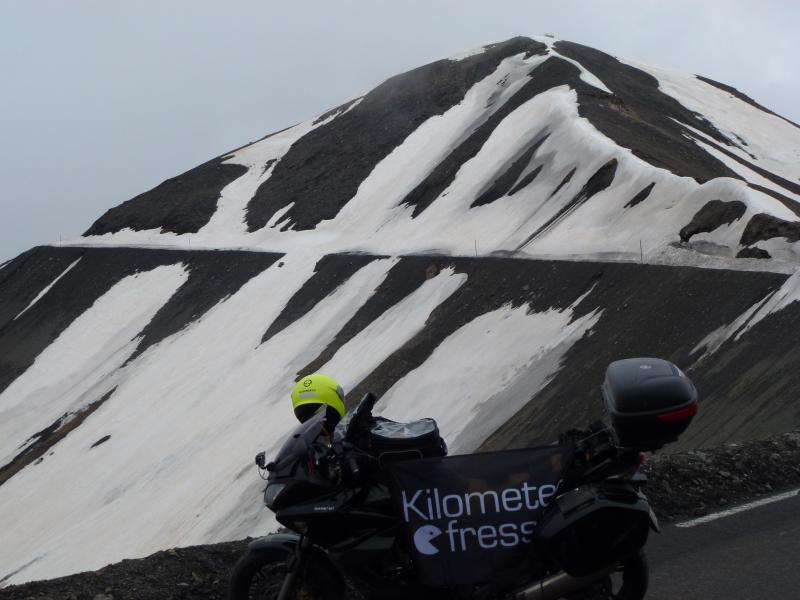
(101,101)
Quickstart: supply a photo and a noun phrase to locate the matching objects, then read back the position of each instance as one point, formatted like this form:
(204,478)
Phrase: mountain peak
(494,148)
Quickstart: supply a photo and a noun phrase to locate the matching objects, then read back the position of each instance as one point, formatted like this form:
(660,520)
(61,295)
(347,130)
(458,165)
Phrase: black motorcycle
(340,493)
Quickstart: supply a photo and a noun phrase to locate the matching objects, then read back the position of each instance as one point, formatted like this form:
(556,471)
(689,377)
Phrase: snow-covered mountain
(474,240)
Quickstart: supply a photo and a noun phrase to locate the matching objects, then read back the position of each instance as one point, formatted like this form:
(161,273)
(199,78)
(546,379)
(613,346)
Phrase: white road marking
(738,509)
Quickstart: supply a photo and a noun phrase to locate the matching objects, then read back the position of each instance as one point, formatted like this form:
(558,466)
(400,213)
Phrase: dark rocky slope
(645,310)
(182,204)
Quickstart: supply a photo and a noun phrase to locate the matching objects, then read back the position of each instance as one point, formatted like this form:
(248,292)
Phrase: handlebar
(353,468)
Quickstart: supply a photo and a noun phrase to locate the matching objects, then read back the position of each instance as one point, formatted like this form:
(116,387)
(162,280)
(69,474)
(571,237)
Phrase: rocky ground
(194,573)
(681,486)
(701,481)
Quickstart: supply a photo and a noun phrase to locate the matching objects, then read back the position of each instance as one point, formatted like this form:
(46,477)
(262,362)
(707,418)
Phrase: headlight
(271,494)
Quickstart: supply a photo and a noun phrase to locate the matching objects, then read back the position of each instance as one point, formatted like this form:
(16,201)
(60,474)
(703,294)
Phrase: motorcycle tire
(628,582)
(259,575)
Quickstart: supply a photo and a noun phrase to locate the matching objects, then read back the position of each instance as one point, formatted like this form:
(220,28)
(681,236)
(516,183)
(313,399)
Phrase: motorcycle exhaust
(558,585)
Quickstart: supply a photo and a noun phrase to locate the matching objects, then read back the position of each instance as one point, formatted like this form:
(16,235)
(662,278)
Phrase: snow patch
(509,349)
(546,39)
(277,217)
(377,201)
(467,53)
(747,174)
(585,75)
(780,249)
(47,289)
(234,198)
(82,364)
(763,138)
(788,293)
(389,332)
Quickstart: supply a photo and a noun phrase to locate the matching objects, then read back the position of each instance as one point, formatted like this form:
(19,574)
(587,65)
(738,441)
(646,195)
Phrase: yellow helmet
(317,392)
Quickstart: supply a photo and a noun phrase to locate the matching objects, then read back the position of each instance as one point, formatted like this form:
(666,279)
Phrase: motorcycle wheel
(260,575)
(628,582)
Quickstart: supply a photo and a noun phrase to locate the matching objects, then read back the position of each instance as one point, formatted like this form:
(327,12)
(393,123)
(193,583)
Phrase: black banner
(469,517)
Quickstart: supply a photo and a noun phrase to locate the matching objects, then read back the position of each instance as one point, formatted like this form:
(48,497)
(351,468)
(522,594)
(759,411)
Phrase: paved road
(752,555)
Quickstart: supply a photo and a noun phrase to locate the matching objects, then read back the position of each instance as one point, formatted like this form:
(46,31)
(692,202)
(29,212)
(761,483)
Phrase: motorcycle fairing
(275,541)
(297,444)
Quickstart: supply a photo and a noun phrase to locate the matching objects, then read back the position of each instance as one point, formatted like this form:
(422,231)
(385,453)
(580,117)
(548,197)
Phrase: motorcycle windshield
(340,432)
(341,427)
(298,442)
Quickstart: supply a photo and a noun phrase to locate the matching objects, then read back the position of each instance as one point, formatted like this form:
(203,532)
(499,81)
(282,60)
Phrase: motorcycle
(336,492)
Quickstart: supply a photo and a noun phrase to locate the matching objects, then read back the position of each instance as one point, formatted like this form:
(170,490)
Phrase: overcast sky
(103,100)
